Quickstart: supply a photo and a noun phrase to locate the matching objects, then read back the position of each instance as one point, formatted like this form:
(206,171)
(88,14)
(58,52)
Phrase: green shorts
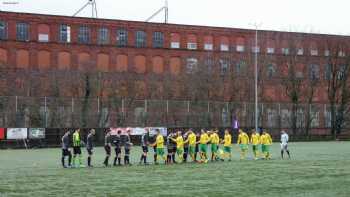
(214,148)
(227,149)
(243,147)
(160,151)
(179,151)
(203,148)
(192,149)
(255,147)
(265,148)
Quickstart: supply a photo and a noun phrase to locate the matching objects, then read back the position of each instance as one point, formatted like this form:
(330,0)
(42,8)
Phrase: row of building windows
(191,65)
(103,38)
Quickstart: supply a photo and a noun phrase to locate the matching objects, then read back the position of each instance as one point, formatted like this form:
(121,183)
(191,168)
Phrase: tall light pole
(256,25)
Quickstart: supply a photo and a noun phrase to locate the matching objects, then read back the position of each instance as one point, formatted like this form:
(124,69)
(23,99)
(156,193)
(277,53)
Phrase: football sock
(62,160)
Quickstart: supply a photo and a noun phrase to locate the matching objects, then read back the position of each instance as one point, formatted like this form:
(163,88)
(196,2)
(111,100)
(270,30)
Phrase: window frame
(3,31)
(140,39)
(20,27)
(84,34)
(158,39)
(122,37)
(103,36)
(64,38)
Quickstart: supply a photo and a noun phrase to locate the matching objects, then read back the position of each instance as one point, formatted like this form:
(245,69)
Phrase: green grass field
(316,169)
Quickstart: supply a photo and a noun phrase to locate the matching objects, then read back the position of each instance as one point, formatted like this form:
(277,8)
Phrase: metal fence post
(98,104)
(167,106)
(45,112)
(208,106)
(72,105)
(123,110)
(146,105)
(16,103)
(188,106)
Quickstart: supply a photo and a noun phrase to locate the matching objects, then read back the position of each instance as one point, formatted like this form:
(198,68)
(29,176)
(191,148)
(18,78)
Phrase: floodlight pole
(256,75)
(166,13)
(93,8)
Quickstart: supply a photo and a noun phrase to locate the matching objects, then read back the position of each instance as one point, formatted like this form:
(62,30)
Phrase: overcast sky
(316,16)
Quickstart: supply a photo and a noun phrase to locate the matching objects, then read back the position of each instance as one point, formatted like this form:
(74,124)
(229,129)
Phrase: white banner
(139,130)
(36,133)
(163,131)
(16,133)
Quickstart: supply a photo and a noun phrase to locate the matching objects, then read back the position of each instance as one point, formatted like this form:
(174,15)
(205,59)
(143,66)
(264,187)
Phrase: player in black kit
(108,147)
(65,150)
(144,144)
(117,143)
(127,148)
(90,146)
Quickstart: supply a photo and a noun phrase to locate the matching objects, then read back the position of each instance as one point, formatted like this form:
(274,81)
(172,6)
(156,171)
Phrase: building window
(140,39)
(314,72)
(341,54)
(209,63)
(174,41)
(158,39)
(326,53)
(84,35)
(64,33)
(315,118)
(208,47)
(285,51)
(240,48)
(22,33)
(122,38)
(240,67)
(191,65)
(300,51)
(271,70)
(224,66)
(3,30)
(341,72)
(256,49)
(103,36)
(192,46)
(327,72)
(270,50)
(313,52)
(224,47)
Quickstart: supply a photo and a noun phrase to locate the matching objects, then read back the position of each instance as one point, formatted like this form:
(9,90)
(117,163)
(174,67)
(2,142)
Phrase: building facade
(60,57)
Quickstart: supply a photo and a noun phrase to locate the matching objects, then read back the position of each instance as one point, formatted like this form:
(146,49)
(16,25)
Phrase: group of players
(181,147)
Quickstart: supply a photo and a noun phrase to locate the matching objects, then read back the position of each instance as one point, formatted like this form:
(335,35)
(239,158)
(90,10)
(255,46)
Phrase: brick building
(152,61)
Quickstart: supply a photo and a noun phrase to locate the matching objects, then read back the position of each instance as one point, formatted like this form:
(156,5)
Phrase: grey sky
(317,16)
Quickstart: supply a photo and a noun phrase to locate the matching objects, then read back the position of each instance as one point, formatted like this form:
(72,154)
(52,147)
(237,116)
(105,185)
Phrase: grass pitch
(316,169)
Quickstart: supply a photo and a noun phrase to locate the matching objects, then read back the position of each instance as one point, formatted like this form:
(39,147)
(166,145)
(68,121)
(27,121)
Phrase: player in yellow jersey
(159,144)
(266,142)
(192,140)
(203,146)
(243,141)
(214,140)
(255,141)
(227,141)
(179,140)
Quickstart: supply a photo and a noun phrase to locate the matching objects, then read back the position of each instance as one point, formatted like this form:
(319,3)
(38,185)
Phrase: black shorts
(117,150)
(108,150)
(76,150)
(145,149)
(197,148)
(89,150)
(66,152)
(155,149)
(127,151)
(171,150)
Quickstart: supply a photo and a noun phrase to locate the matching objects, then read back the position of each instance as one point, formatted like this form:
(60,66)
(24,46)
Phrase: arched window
(43,33)
(22,58)
(224,44)
(174,41)
(140,64)
(240,44)
(43,60)
(3,56)
(175,65)
(158,65)
(122,63)
(83,60)
(192,42)
(102,62)
(64,60)
(208,43)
